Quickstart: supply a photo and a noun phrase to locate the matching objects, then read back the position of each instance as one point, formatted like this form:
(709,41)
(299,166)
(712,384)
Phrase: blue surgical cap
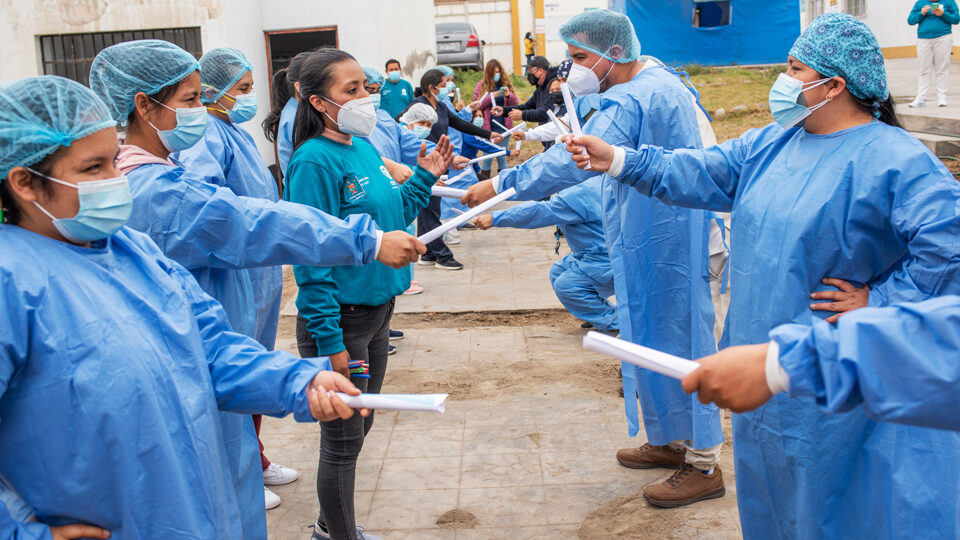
(40,114)
(122,71)
(839,45)
(446,70)
(603,32)
(220,69)
(373,76)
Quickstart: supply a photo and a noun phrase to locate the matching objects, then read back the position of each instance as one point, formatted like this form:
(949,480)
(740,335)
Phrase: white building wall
(371,30)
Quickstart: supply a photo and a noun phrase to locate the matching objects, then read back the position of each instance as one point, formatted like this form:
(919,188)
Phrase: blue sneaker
(396,335)
(391,350)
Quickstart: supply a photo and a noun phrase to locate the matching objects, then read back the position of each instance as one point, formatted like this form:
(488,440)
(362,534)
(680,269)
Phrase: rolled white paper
(518,145)
(484,158)
(503,127)
(521,125)
(572,114)
(484,96)
(638,355)
(451,224)
(557,123)
(458,93)
(397,402)
(455,178)
(449,192)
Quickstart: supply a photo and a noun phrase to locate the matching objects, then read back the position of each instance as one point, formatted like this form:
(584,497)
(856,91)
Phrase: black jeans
(428,220)
(366,335)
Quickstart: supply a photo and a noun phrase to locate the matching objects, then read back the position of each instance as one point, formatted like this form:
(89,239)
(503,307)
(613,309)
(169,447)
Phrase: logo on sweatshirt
(353,188)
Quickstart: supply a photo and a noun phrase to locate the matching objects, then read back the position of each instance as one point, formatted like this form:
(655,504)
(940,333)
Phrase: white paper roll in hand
(572,115)
(448,192)
(397,402)
(451,224)
(486,157)
(638,355)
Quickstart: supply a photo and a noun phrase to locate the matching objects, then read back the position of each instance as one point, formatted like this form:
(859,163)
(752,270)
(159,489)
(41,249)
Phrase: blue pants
(582,284)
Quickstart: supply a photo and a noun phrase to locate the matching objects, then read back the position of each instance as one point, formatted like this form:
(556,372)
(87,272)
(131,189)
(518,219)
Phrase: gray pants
(366,335)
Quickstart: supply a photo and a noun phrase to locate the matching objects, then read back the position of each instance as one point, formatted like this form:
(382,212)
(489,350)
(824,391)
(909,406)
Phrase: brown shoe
(687,486)
(649,456)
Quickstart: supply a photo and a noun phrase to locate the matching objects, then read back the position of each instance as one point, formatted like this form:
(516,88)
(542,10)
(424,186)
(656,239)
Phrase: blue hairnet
(601,30)
(220,69)
(446,70)
(839,45)
(40,114)
(124,70)
(373,76)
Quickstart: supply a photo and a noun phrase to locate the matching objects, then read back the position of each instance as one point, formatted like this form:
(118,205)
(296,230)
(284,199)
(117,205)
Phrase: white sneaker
(278,475)
(942,102)
(271,498)
(919,102)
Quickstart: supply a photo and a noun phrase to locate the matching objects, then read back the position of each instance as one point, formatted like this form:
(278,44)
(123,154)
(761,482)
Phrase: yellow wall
(910,51)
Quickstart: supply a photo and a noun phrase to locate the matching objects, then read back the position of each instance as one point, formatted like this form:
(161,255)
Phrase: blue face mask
(105,207)
(478,121)
(394,76)
(375,99)
(191,125)
(451,87)
(787,104)
(496,77)
(244,108)
(421,131)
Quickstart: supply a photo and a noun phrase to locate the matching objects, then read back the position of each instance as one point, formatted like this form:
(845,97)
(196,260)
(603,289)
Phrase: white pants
(934,57)
(701,458)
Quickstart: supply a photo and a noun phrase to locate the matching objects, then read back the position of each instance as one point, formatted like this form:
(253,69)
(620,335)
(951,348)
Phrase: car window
(449,28)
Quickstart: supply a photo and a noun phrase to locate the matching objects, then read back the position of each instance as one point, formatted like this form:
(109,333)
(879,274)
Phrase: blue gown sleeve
(14,342)
(201,225)
(900,362)
(926,216)
(553,170)
(247,378)
(410,146)
(694,178)
(533,215)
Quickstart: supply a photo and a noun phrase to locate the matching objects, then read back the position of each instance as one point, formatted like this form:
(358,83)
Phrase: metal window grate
(70,55)
(857,8)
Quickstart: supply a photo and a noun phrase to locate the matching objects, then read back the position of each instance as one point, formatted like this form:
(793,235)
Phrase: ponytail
(282,92)
(316,77)
(884,111)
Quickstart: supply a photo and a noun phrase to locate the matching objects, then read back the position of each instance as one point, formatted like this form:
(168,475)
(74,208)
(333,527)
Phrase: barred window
(70,55)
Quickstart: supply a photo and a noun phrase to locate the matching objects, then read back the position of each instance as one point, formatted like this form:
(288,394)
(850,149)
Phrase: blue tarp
(760,31)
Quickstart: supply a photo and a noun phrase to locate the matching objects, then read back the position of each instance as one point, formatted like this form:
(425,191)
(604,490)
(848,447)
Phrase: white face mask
(357,117)
(583,81)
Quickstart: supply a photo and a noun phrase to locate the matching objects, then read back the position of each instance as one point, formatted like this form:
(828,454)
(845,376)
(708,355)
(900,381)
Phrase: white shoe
(942,102)
(919,102)
(450,240)
(278,475)
(271,498)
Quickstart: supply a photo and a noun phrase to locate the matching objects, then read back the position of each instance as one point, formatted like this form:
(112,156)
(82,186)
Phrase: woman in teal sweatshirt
(934,19)
(345,310)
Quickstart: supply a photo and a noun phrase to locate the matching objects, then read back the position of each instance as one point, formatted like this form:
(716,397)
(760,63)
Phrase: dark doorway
(711,14)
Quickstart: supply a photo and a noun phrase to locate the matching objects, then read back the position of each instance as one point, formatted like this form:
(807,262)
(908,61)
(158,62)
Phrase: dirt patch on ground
(457,519)
(494,379)
(630,516)
(554,318)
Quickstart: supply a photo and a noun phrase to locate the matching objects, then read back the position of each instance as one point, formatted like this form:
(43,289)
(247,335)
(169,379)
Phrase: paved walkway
(902,77)
(526,447)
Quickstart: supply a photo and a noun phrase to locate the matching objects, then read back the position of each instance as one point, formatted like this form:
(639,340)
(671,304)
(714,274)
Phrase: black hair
(392,61)
(528,36)
(316,77)
(161,96)
(884,111)
(12,214)
(283,90)
(431,78)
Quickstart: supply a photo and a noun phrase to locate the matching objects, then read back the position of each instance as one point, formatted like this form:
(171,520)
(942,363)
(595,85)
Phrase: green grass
(728,87)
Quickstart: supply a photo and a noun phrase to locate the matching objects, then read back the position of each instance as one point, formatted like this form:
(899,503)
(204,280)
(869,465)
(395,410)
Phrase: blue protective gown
(285,134)
(899,362)
(659,253)
(583,280)
(216,234)
(395,142)
(871,205)
(113,365)
(458,139)
(228,157)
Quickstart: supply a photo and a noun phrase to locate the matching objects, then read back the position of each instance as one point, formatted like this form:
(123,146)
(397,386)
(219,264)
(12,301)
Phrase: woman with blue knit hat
(835,204)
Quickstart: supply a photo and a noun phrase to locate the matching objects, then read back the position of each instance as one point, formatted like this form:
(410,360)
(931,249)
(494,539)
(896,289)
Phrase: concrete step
(928,120)
(940,145)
